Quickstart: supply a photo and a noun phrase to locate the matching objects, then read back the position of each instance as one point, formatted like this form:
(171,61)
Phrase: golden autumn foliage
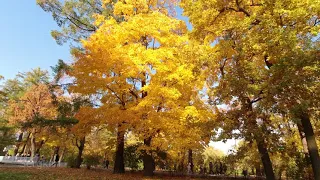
(144,76)
(144,72)
(264,62)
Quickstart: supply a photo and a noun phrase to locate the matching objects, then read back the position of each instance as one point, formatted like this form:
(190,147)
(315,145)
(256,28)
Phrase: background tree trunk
(119,159)
(190,159)
(15,152)
(80,148)
(62,154)
(39,147)
(259,136)
(23,150)
(265,158)
(55,151)
(33,144)
(304,143)
(258,170)
(148,161)
(181,163)
(312,145)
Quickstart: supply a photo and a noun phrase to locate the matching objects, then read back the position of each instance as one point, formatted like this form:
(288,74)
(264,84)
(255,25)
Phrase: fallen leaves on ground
(76,174)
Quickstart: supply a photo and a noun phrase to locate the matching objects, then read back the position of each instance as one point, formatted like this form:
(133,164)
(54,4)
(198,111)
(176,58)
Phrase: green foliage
(13,89)
(6,131)
(43,122)
(74,17)
(6,136)
(132,157)
(161,159)
(60,69)
(34,77)
(71,161)
(92,160)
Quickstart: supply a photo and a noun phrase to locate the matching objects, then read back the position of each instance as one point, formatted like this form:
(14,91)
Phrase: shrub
(132,157)
(91,160)
(71,161)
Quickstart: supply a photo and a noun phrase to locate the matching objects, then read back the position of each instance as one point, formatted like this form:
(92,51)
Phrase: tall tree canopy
(253,39)
(144,72)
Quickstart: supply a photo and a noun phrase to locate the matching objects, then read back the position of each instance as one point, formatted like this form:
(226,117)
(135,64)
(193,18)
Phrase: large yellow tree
(139,73)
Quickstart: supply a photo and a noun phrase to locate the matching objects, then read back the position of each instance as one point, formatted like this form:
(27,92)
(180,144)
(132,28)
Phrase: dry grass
(70,174)
(52,173)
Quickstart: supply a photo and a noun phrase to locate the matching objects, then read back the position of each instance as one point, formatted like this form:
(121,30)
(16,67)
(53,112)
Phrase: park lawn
(14,175)
(44,173)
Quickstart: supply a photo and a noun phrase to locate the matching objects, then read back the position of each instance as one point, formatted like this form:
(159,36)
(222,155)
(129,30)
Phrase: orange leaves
(87,118)
(36,102)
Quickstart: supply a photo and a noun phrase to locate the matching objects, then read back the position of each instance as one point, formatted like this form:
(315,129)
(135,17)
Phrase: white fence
(27,161)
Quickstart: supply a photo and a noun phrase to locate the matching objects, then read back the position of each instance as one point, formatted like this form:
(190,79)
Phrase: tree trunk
(33,145)
(51,158)
(39,147)
(312,145)
(62,154)
(304,143)
(258,170)
(18,144)
(25,144)
(258,135)
(190,159)
(26,149)
(181,163)
(265,158)
(80,148)
(16,149)
(148,161)
(55,151)
(280,175)
(119,160)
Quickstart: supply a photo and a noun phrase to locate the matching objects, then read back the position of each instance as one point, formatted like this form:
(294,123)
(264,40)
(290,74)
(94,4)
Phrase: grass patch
(14,175)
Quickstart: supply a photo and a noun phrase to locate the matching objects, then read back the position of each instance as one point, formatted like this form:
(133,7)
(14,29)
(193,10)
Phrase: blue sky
(25,40)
